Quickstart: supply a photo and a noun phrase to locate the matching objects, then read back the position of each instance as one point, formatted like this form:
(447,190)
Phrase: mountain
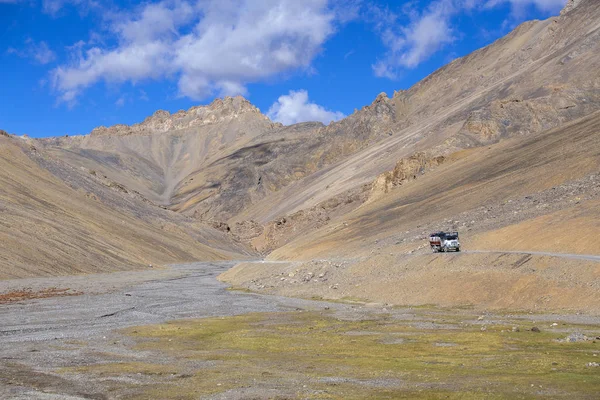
(60,220)
(225,161)
(506,123)
(155,156)
(536,78)
(531,194)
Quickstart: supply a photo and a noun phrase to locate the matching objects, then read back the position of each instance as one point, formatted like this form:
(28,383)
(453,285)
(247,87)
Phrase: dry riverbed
(190,337)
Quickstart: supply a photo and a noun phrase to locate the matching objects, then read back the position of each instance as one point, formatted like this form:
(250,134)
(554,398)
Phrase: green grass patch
(316,355)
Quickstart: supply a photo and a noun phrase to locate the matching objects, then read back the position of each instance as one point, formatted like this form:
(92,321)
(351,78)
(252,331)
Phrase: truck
(444,241)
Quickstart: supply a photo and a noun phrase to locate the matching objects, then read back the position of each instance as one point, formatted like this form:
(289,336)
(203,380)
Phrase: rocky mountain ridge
(219,111)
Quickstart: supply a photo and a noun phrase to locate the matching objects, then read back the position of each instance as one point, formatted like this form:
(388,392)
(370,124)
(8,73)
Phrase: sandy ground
(486,280)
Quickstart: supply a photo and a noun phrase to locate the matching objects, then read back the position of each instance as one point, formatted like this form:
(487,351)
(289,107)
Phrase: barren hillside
(551,175)
(52,228)
(543,74)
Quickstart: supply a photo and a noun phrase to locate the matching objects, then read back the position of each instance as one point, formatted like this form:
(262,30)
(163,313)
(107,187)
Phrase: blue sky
(68,66)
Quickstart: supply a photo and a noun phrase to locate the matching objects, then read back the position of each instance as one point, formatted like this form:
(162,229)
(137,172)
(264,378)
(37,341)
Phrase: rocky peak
(382,105)
(161,114)
(227,106)
(400,94)
(381,97)
(220,110)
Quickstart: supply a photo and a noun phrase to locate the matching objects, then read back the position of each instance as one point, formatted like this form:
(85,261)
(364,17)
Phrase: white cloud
(143,95)
(52,6)
(431,29)
(154,22)
(241,41)
(295,107)
(209,46)
(39,52)
(410,45)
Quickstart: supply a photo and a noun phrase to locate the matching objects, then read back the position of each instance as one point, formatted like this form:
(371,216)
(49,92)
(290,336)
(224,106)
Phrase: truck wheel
(458,249)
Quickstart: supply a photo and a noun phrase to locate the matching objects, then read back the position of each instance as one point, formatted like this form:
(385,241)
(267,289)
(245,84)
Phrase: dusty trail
(586,257)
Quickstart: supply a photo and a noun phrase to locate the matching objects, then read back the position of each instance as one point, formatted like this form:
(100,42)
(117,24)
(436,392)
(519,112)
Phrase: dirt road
(586,257)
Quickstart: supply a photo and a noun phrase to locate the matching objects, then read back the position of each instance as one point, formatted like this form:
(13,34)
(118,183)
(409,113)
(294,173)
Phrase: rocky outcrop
(219,111)
(517,117)
(405,170)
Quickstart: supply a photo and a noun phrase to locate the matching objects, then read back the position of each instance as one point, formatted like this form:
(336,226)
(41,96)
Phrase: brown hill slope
(50,228)
(553,174)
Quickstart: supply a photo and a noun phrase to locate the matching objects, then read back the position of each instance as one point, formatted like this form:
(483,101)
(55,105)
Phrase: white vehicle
(444,241)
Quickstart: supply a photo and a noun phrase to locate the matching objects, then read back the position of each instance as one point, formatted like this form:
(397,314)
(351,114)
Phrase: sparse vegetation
(321,356)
